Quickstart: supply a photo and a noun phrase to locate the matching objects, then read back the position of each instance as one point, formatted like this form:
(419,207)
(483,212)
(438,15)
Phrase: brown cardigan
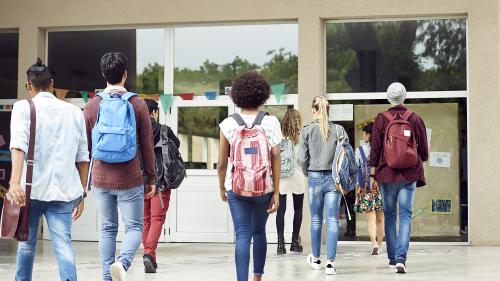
(124,175)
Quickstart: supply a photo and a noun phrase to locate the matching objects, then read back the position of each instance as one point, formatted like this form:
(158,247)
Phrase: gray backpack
(287,158)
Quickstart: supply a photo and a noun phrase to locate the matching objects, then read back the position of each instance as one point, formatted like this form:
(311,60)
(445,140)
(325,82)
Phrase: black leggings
(298,202)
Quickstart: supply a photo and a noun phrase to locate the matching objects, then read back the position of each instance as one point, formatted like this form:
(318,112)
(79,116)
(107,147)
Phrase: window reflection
(208,59)
(198,133)
(75,58)
(8,64)
(276,110)
(424,55)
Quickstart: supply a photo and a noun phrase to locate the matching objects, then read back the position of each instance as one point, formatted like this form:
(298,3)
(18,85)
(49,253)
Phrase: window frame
(353,96)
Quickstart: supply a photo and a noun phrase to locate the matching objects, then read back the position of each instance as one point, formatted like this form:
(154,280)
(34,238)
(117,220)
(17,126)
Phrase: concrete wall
(32,18)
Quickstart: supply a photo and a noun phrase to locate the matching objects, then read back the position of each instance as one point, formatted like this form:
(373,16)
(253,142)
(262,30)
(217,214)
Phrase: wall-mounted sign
(440,159)
(341,112)
(441,206)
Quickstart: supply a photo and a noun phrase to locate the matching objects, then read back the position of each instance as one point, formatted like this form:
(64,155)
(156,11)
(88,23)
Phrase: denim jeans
(249,219)
(324,197)
(131,205)
(395,194)
(58,216)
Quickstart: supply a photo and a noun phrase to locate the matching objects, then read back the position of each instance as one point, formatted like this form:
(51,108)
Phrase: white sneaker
(330,269)
(392,266)
(118,273)
(400,268)
(314,262)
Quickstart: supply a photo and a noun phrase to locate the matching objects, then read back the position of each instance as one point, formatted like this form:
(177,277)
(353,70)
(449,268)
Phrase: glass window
(208,59)
(199,133)
(424,55)
(8,64)
(441,208)
(75,57)
(277,110)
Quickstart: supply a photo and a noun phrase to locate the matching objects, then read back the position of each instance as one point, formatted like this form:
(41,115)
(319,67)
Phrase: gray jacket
(314,154)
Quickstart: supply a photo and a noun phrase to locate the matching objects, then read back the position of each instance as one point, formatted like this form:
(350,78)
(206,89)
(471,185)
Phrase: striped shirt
(270,124)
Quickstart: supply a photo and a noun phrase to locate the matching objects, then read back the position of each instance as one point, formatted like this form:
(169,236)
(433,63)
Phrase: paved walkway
(193,262)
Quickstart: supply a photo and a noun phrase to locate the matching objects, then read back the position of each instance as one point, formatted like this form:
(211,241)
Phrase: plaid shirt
(383,173)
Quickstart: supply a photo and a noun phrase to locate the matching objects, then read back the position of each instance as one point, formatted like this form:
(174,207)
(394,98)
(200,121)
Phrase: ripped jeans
(58,216)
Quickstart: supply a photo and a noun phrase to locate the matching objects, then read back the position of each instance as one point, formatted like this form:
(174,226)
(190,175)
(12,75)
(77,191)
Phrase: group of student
(119,133)
(266,162)
(110,148)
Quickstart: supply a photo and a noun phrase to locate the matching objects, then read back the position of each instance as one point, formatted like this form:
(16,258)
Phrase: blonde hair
(291,125)
(321,109)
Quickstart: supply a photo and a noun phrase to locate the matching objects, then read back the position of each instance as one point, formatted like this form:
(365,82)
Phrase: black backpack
(170,168)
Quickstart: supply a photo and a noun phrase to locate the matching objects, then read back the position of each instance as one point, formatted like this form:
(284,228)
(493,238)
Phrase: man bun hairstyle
(39,75)
(113,67)
(250,90)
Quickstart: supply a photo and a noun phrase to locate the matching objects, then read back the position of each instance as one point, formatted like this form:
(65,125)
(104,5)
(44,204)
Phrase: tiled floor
(215,262)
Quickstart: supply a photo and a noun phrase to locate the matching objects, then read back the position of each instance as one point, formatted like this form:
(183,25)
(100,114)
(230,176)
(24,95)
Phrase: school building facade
(186,53)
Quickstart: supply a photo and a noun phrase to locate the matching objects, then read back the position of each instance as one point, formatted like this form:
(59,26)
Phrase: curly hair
(291,125)
(250,90)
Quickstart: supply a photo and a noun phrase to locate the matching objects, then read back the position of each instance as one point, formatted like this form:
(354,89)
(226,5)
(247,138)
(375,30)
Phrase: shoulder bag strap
(31,150)
(363,155)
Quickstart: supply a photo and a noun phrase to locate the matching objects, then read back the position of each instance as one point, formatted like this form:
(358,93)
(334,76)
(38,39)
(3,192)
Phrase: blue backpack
(344,167)
(114,134)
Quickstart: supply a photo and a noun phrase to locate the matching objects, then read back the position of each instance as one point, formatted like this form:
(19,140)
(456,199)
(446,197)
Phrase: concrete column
(484,104)
(31,46)
(311,83)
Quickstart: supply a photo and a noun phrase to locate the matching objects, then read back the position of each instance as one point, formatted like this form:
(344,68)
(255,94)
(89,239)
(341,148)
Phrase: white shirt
(60,142)
(270,124)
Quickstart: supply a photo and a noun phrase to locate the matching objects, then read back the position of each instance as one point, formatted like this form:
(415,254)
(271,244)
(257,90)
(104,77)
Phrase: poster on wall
(441,206)
(440,159)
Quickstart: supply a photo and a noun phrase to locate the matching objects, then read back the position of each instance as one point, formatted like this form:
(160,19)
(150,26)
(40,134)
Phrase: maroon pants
(154,218)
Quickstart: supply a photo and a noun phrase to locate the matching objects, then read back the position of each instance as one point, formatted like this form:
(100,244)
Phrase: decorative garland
(361,125)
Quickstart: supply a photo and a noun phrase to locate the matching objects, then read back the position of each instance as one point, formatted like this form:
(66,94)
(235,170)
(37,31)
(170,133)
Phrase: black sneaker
(149,264)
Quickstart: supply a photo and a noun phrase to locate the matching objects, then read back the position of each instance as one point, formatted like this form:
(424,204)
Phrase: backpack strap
(104,95)
(388,115)
(237,117)
(128,95)
(408,113)
(258,119)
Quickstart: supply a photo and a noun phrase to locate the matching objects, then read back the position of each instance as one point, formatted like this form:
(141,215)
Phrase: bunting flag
(278,91)
(85,96)
(61,93)
(166,102)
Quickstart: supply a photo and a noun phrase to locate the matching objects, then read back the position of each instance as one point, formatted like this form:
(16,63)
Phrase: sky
(219,44)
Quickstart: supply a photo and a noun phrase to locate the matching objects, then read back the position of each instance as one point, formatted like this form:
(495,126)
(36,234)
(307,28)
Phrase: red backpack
(251,159)
(400,147)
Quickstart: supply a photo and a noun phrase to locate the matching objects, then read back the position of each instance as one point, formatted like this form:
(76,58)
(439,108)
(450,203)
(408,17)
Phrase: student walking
(119,128)
(318,145)
(59,170)
(398,147)
(156,207)
(368,200)
(292,182)
(251,181)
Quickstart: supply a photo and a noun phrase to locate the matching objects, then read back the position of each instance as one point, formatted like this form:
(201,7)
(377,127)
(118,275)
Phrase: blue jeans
(395,194)
(131,204)
(58,216)
(249,219)
(323,196)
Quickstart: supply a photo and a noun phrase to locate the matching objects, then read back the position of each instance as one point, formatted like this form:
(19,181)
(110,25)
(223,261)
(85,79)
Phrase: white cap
(396,93)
